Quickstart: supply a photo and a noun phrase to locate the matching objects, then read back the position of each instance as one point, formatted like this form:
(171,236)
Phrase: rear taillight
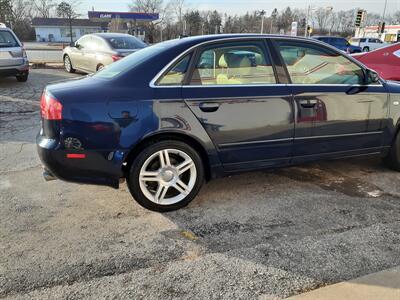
(116,57)
(50,107)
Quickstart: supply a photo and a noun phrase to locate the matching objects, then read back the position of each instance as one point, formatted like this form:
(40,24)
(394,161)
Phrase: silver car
(13,60)
(93,52)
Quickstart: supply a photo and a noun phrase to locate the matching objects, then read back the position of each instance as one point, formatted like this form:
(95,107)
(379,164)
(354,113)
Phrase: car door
(77,53)
(233,91)
(336,111)
(90,54)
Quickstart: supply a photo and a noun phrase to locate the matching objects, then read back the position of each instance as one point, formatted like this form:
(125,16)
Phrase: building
(391,33)
(58,30)
(133,21)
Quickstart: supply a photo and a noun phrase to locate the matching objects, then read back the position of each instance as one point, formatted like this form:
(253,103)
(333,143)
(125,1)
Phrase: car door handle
(209,106)
(308,103)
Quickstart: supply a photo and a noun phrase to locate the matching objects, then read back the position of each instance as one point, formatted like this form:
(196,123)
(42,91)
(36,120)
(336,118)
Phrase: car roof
(327,36)
(199,39)
(111,34)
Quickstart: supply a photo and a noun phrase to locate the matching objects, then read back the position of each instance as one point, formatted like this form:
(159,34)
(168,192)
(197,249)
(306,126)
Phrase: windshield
(125,42)
(7,39)
(133,60)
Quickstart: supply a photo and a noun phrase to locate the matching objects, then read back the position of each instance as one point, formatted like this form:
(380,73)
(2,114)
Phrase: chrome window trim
(263,85)
(238,97)
(152,83)
(176,59)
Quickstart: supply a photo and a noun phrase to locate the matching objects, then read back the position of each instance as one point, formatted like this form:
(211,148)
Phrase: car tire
(366,49)
(99,67)
(23,77)
(392,159)
(166,176)
(68,64)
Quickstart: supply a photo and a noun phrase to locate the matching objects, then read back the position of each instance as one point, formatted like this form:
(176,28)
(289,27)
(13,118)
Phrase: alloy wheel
(167,176)
(67,64)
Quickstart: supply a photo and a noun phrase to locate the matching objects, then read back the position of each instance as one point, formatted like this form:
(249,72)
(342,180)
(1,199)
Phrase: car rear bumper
(95,168)
(14,70)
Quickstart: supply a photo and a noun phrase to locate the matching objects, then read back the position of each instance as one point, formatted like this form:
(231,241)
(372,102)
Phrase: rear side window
(7,39)
(176,74)
(125,42)
(313,64)
(363,40)
(234,64)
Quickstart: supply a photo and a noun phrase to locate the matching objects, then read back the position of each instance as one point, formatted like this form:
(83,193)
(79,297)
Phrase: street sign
(294,29)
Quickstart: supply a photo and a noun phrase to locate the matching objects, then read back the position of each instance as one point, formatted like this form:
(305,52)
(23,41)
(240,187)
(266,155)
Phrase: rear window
(125,42)
(7,39)
(133,60)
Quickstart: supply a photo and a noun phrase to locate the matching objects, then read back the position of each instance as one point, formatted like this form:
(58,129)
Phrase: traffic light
(360,17)
(381,27)
(309,29)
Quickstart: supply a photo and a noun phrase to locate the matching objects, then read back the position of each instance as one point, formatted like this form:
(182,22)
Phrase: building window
(65,32)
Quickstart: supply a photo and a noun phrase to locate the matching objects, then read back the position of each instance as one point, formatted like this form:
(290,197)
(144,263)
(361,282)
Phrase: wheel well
(98,66)
(169,136)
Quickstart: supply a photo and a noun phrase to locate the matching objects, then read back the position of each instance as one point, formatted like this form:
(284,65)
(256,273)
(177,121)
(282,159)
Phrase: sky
(240,7)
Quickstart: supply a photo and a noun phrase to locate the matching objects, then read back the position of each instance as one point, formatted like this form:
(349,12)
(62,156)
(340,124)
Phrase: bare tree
(44,8)
(146,6)
(396,17)
(66,10)
(322,19)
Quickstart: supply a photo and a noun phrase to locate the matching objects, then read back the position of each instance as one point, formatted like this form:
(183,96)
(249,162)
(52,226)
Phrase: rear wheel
(99,67)
(166,176)
(392,160)
(23,77)
(366,49)
(68,65)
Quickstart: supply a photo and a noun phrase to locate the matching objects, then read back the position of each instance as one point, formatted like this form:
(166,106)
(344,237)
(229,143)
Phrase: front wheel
(166,176)
(68,65)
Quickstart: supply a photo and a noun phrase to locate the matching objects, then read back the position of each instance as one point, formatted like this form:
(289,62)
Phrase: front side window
(312,64)
(83,42)
(176,74)
(240,64)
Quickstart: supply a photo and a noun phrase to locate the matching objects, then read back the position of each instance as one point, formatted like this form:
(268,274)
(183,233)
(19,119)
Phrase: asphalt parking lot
(264,235)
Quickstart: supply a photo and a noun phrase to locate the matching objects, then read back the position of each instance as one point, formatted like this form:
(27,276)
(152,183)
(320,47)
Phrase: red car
(385,61)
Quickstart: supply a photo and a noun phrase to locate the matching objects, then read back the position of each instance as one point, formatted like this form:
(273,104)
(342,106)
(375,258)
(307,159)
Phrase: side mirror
(371,76)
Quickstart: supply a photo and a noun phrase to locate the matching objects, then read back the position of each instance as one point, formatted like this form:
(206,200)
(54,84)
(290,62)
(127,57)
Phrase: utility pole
(307,19)
(384,11)
(273,16)
(262,14)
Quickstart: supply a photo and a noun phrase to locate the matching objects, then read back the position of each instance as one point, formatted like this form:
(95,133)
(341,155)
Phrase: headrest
(232,60)
(222,62)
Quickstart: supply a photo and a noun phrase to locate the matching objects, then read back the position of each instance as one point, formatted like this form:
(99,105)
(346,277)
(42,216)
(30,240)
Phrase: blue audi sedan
(174,115)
